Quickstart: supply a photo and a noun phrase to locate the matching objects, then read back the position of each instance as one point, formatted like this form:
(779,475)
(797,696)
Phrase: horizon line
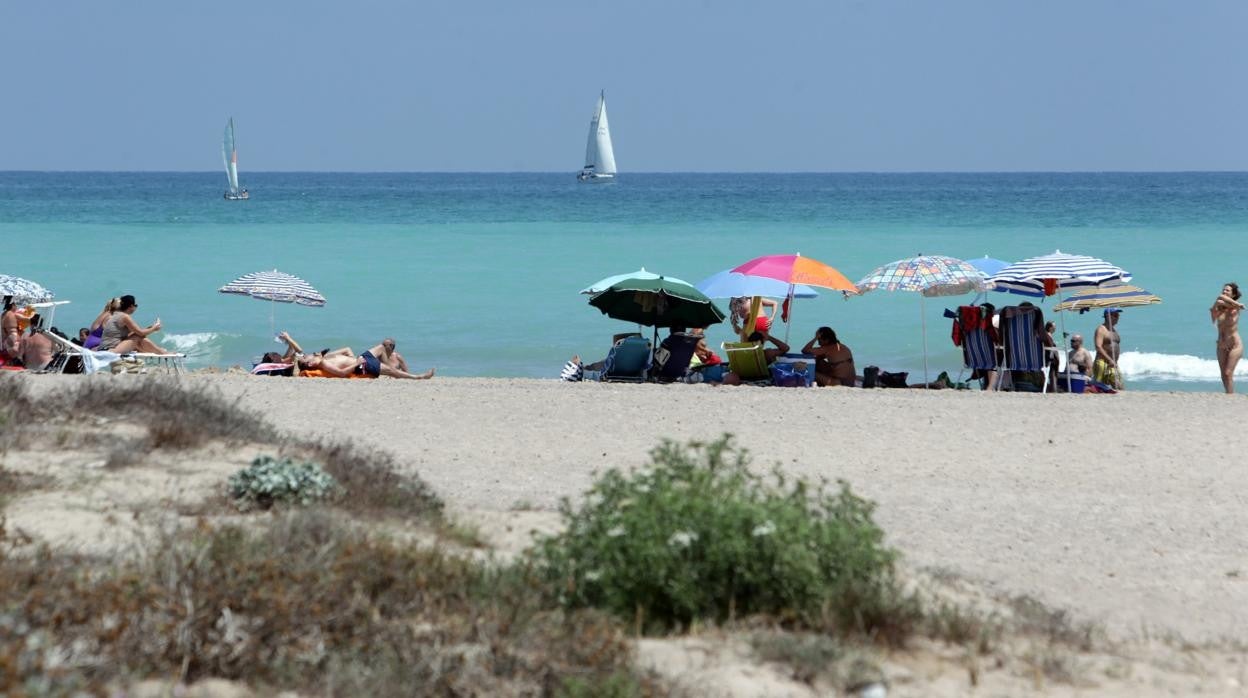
(625,175)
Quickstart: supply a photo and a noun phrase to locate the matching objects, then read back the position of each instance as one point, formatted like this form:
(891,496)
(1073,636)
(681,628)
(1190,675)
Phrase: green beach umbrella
(657,302)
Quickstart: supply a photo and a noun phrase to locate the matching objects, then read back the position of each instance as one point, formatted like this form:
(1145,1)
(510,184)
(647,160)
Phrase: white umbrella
(276,287)
(24,291)
(1061,272)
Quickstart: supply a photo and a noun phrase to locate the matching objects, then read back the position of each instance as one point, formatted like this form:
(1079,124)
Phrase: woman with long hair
(1225,315)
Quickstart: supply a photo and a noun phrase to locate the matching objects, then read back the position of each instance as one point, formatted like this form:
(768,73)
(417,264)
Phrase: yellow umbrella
(1108,296)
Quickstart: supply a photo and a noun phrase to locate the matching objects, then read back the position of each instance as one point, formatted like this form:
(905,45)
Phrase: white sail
(604,163)
(229,153)
(591,145)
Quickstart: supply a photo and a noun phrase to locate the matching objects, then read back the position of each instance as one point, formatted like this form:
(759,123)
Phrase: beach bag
(894,380)
(870,376)
(790,375)
(127,364)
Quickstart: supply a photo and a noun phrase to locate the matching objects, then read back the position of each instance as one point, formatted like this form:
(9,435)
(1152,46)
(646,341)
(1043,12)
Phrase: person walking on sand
(383,360)
(1108,345)
(1225,315)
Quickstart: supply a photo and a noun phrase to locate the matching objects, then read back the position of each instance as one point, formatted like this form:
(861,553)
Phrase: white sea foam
(1175,367)
(190,342)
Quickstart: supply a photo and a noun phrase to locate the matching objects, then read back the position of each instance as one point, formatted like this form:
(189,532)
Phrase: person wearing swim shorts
(1108,345)
(834,362)
(1225,315)
(383,360)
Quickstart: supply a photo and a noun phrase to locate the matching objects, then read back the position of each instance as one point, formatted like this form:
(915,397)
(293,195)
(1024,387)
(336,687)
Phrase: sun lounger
(671,359)
(628,360)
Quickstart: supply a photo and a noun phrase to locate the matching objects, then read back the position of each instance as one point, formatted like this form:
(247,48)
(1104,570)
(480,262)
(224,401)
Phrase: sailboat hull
(598,177)
(237,195)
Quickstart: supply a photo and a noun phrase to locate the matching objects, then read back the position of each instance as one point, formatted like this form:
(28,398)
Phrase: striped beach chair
(1021,326)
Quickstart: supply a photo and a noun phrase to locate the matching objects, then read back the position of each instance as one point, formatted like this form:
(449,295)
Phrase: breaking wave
(1174,367)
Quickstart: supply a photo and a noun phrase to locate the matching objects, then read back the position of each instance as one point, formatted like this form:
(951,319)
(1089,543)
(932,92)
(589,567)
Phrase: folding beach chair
(747,360)
(974,333)
(672,358)
(1021,326)
(628,361)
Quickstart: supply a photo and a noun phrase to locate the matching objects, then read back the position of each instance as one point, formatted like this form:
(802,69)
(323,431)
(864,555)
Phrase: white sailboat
(229,153)
(599,155)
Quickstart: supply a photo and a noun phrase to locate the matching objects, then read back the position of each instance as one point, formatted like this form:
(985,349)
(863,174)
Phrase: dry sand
(1128,510)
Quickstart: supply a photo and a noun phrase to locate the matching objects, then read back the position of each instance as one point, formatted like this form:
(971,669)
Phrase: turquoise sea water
(477,274)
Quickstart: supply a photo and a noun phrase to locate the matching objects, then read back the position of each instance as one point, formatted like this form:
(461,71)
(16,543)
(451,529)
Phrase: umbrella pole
(272,317)
(1065,351)
(923,318)
(788,324)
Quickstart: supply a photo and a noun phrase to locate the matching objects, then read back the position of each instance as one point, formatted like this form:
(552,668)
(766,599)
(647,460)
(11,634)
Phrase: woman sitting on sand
(123,335)
(834,362)
(1225,314)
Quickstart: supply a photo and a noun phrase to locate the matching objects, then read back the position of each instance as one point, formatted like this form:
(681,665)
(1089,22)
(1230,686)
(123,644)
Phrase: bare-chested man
(1079,358)
(36,348)
(1108,345)
(1225,314)
(333,364)
(383,360)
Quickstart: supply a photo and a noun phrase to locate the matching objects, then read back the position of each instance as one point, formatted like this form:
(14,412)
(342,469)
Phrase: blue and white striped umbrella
(23,291)
(1067,271)
(275,286)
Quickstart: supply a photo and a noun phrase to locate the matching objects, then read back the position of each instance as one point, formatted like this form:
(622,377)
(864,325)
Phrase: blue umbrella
(987,265)
(730,284)
(642,275)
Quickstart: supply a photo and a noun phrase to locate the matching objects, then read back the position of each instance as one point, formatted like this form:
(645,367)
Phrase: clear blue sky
(706,85)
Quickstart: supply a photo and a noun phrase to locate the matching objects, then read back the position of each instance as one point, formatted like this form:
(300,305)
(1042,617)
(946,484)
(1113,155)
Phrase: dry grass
(307,602)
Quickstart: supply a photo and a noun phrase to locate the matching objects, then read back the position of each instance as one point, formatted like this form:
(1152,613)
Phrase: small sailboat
(229,153)
(599,155)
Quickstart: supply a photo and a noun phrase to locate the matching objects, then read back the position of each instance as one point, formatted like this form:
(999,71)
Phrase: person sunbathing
(36,348)
(331,365)
(383,360)
(10,332)
(123,335)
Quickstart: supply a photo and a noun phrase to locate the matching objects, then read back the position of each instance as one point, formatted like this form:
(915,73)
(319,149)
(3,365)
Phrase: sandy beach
(1128,510)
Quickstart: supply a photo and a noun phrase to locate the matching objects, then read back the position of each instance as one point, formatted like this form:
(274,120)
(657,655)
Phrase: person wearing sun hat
(1108,346)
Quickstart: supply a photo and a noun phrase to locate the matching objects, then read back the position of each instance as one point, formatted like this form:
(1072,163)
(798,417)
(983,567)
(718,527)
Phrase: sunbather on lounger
(36,348)
(123,335)
(383,360)
(329,366)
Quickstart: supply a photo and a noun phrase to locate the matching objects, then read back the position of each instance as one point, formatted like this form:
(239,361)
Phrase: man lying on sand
(381,360)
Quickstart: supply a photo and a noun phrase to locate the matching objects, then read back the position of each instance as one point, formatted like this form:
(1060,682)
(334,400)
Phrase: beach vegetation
(268,481)
(698,536)
(302,601)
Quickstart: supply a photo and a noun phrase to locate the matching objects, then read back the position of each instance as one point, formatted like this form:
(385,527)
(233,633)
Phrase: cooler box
(1078,382)
(793,371)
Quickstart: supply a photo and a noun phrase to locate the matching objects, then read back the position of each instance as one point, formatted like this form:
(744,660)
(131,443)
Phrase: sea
(478,274)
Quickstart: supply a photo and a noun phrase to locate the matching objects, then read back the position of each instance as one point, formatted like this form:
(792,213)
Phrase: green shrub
(268,481)
(697,536)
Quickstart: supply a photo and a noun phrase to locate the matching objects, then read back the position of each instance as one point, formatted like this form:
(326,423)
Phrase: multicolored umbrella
(731,284)
(1110,295)
(796,269)
(24,291)
(929,276)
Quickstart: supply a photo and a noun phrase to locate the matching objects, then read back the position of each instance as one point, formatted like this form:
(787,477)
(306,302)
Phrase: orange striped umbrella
(796,269)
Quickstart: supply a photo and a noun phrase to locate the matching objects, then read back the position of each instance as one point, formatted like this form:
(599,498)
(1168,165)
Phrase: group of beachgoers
(380,360)
(834,361)
(25,343)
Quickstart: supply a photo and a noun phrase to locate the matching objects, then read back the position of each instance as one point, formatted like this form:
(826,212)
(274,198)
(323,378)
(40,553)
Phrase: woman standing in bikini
(1225,314)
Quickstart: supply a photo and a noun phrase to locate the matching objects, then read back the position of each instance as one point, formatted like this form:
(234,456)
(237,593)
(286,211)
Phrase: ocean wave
(189,343)
(1174,367)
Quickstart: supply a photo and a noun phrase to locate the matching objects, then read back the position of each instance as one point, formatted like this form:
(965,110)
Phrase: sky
(692,85)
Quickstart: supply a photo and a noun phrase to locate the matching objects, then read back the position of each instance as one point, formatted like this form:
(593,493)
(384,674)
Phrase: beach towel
(318,373)
(273,369)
